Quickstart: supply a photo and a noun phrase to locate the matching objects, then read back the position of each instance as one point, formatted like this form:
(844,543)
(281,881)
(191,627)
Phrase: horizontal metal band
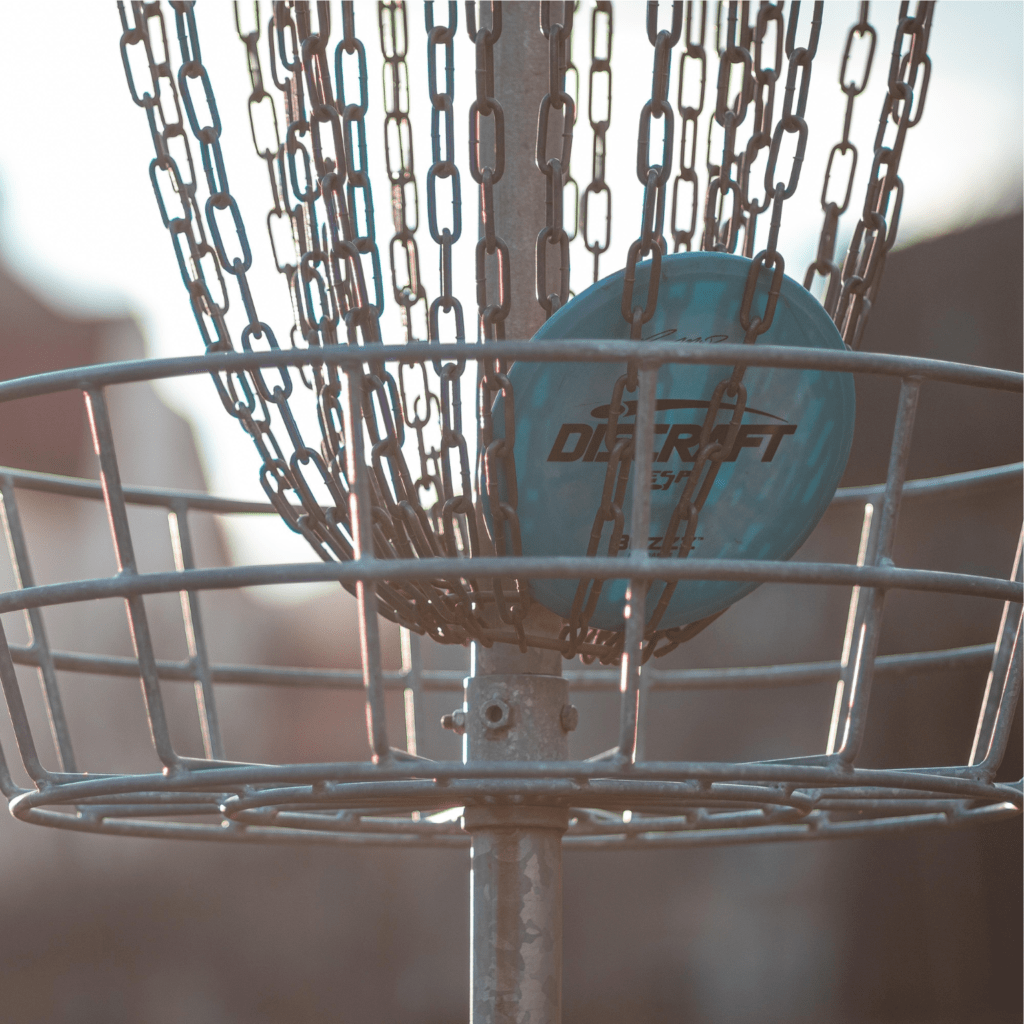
(651,353)
(583,678)
(627,568)
(418,836)
(421,778)
(170,498)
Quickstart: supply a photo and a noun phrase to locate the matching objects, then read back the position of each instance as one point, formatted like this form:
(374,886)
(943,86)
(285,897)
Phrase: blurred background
(922,928)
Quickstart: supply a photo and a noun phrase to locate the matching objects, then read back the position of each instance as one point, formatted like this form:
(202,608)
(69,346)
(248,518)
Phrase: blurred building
(922,928)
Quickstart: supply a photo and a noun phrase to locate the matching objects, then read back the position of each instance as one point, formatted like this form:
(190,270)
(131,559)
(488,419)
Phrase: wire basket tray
(615,799)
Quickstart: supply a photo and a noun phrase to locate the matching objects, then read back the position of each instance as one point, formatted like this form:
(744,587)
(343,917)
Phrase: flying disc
(773,485)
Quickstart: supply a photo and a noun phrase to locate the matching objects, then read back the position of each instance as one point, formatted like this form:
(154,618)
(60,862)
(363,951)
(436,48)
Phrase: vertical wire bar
(366,592)
(412,669)
(1007,706)
(853,620)
(39,643)
(19,717)
(195,633)
(117,514)
(642,717)
(881,554)
(998,676)
(639,527)
(8,787)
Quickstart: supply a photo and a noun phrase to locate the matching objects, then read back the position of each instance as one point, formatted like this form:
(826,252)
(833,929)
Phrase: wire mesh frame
(392,797)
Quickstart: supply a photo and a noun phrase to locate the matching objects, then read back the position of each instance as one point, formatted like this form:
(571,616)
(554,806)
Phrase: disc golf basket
(361,432)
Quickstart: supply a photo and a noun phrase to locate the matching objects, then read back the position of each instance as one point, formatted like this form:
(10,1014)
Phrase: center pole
(516,710)
(516,704)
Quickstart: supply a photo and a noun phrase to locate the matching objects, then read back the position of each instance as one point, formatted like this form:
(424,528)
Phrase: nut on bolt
(495,714)
(570,717)
(456,721)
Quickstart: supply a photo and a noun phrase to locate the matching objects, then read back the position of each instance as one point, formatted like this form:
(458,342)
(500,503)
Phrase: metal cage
(394,795)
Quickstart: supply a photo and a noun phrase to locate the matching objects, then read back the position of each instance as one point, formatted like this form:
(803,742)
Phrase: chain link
(824,262)
(875,233)
(408,289)
(600,72)
(555,168)
(722,233)
(689,117)
(497,464)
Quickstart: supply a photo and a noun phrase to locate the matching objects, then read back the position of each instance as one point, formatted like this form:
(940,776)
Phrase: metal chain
(406,279)
(600,70)
(763,83)
(722,233)
(497,464)
(321,224)
(456,521)
(407,287)
(875,233)
(824,262)
(651,241)
(689,117)
(555,168)
(572,205)
(320,186)
(717,440)
(731,175)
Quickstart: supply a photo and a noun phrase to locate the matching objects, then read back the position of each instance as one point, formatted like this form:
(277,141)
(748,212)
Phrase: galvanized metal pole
(516,712)
(516,704)
(520,83)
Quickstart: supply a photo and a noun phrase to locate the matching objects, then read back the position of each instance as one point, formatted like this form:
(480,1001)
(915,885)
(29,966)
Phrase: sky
(79,224)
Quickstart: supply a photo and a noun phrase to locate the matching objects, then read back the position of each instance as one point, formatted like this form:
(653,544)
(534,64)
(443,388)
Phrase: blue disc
(773,485)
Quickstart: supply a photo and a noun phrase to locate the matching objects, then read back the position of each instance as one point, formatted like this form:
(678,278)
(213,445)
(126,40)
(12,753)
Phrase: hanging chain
(571,189)
(441,39)
(721,233)
(322,231)
(555,168)
(689,119)
(407,287)
(762,81)
(419,403)
(910,68)
(321,224)
(651,242)
(824,262)
(728,180)
(599,98)
(717,440)
(497,464)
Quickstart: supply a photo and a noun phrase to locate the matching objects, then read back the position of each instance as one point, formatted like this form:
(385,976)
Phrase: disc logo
(676,443)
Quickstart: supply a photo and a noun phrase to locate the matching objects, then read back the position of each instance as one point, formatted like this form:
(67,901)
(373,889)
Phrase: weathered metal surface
(516,884)
(516,907)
